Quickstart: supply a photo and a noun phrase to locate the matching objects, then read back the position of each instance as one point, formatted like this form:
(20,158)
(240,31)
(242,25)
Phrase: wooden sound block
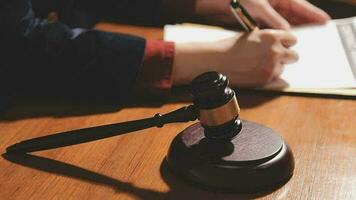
(257,159)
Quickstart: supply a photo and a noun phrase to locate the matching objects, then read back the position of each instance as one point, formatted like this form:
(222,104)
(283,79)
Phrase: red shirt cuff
(156,72)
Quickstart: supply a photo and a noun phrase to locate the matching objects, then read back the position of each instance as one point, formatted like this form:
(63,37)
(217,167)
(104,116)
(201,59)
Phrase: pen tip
(234,4)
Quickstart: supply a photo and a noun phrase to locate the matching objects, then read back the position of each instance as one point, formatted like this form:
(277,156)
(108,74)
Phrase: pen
(245,19)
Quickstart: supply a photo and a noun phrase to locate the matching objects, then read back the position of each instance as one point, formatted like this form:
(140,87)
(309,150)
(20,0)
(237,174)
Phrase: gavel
(219,152)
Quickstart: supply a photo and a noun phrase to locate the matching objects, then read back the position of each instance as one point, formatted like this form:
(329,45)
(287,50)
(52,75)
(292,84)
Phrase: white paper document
(327,53)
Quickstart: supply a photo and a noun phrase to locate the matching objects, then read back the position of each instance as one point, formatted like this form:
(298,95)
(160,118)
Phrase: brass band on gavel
(220,115)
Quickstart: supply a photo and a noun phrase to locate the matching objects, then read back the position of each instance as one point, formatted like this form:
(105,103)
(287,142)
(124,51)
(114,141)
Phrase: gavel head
(217,105)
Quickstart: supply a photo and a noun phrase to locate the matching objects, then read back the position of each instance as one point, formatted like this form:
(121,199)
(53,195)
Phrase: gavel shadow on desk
(178,189)
(229,154)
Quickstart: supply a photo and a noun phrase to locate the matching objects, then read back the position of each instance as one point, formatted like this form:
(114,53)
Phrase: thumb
(273,19)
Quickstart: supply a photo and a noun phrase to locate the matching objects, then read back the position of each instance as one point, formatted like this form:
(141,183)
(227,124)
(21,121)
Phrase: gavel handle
(185,114)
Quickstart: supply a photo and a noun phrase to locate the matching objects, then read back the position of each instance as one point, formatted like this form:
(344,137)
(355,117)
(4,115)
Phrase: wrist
(192,59)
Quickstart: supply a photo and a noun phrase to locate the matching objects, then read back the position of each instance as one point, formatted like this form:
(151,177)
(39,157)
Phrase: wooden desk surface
(321,133)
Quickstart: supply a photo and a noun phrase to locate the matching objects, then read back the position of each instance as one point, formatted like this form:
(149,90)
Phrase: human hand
(248,60)
(279,14)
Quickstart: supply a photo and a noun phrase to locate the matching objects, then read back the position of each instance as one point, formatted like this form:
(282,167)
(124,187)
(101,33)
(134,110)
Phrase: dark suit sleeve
(38,57)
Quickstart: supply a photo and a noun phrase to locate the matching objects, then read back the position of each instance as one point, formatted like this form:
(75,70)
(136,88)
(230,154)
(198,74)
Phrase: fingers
(272,19)
(281,48)
(287,39)
(280,54)
(261,55)
(284,56)
(288,57)
(302,12)
(277,72)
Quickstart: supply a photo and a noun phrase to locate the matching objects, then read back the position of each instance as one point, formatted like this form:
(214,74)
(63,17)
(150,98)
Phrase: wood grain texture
(321,132)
